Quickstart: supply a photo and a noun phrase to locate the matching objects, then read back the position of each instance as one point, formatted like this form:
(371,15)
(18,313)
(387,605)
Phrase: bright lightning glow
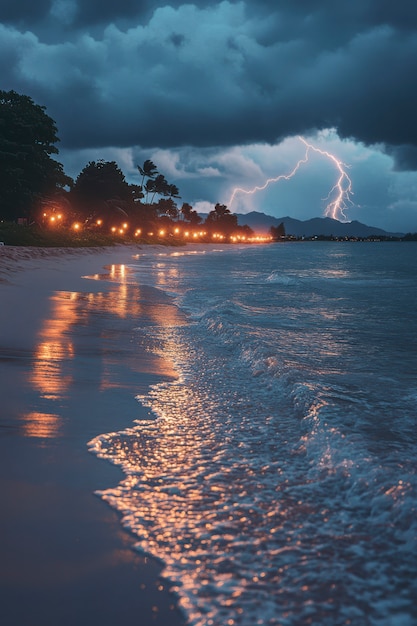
(341,190)
(269,181)
(339,197)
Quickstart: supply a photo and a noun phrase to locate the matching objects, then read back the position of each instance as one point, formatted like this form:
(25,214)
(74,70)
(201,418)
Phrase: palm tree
(219,213)
(173,191)
(149,170)
(190,215)
(160,186)
(222,218)
(186,210)
(149,187)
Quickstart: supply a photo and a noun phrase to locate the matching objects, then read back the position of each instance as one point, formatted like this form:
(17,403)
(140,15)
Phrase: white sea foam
(277,482)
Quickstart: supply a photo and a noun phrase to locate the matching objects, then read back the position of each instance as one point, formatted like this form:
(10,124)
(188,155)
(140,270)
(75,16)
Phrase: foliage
(166,206)
(222,219)
(101,189)
(277,232)
(27,141)
(190,215)
(149,170)
(33,185)
(14,235)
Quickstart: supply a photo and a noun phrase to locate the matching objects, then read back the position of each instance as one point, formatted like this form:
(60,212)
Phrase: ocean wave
(279,278)
(277,480)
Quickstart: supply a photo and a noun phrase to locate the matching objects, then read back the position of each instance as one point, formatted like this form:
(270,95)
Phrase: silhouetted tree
(167,206)
(222,219)
(148,216)
(277,232)
(136,193)
(156,183)
(101,187)
(173,191)
(149,170)
(160,186)
(190,215)
(28,173)
(246,230)
(149,187)
(186,210)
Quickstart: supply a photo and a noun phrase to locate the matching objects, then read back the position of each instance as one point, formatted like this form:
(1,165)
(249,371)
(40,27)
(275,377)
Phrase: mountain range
(317,226)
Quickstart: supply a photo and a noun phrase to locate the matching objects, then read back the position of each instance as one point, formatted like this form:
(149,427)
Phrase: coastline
(69,371)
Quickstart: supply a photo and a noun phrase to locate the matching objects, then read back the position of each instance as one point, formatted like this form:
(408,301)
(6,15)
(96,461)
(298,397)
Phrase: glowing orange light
(99,222)
(43,425)
(259,239)
(76,226)
(161,233)
(113,229)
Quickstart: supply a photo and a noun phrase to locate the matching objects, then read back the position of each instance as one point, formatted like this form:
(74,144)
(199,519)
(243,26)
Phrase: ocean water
(276,478)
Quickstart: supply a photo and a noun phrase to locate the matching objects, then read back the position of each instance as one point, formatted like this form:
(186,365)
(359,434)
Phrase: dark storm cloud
(97,11)
(23,12)
(144,73)
(405,156)
(28,13)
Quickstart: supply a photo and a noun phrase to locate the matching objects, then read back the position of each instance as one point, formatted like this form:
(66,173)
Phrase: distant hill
(326,226)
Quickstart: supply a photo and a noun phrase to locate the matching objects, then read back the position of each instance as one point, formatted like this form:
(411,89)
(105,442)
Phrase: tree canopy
(190,215)
(27,171)
(278,232)
(33,184)
(148,170)
(98,184)
(222,218)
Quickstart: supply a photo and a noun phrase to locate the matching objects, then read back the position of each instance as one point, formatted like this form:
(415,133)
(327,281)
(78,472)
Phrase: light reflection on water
(87,325)
(256,483)
(206,492)
(41,425)
(55,348)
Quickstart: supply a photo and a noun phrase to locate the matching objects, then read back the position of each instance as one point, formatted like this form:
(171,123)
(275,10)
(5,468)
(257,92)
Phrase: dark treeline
(34,188)
(278,234)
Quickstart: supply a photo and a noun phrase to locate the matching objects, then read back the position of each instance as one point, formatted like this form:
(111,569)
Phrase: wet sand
(70,370)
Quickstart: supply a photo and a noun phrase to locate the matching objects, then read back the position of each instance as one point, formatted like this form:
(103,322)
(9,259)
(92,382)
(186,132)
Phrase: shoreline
(69,371)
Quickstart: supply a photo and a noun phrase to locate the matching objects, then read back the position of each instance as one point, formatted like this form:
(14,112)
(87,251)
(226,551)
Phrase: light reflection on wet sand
(71,364)
(96,327)
(42,425)
(190,505)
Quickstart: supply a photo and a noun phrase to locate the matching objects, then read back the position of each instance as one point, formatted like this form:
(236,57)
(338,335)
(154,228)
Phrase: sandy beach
(69,370)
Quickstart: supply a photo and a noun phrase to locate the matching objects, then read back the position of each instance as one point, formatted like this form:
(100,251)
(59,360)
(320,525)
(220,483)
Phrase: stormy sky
(217,93)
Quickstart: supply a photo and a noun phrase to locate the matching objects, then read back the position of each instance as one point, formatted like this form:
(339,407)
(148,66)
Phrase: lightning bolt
(341,190)
(339,196)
